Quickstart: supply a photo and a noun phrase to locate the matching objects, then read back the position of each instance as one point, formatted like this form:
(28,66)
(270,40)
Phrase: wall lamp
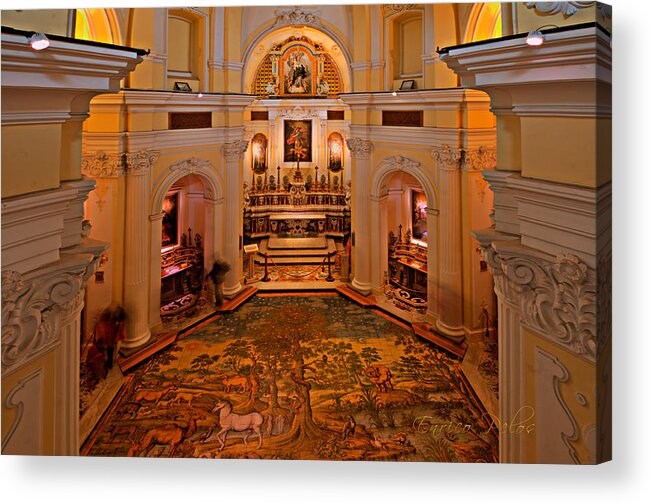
(39,41)
(535,37)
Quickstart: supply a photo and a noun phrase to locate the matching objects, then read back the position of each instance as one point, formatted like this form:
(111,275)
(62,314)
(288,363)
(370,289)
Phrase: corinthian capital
(234,151)
(102,165)
(139,163)
(449,158)
(360,149)
(481,159)
(32,310)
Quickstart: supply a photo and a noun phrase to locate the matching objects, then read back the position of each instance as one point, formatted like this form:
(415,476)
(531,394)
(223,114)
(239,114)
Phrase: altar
(297,223)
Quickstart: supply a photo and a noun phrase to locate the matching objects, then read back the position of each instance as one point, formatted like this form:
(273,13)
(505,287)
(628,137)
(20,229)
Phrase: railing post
(266,278)
(329,278)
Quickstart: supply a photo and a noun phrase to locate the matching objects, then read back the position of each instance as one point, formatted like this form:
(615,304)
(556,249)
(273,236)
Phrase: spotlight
(394,93)
(535,38)
(39,41)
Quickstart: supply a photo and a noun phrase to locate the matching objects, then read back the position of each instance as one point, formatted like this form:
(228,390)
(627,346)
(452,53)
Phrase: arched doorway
(404,238)
(186,236)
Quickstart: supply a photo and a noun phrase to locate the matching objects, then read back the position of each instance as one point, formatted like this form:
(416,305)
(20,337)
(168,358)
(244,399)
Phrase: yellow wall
(46,363)
(52,21)
(565,150)
(25,168)
(581,380)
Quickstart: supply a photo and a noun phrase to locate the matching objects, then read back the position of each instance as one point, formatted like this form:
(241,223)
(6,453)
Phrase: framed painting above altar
(298,141)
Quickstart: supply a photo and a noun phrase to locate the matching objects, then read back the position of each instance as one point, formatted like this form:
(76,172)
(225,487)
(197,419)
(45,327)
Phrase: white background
(626,480)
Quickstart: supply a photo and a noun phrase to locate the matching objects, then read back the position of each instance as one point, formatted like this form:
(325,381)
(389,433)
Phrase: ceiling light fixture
(39,41)
(535,37)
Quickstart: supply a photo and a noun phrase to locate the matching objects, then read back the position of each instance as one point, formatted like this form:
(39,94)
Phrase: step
(317,242)
(230,305)
(346,291)
(426,332)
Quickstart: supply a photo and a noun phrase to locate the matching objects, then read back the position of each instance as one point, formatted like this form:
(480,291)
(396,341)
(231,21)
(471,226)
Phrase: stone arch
(213,234)
(100,25)
(400,163)
(484,22)
(192,166)
(274,34)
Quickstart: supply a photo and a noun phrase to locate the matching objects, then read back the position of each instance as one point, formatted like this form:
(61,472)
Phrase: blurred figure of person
(217,275)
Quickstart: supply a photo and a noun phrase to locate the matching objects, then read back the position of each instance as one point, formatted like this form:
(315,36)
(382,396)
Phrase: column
(450,320)
(156,229)
(432,266)
(67,438)
(136,256)
(233,154)
(361,151)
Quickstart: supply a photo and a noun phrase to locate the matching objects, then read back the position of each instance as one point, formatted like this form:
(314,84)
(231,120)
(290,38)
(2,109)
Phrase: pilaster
(136,257)
(233,155)
(361,152)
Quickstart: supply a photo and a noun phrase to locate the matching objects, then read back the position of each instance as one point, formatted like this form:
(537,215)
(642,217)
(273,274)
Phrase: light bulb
(39,41)
(394,93)
(535,38)
(200,95)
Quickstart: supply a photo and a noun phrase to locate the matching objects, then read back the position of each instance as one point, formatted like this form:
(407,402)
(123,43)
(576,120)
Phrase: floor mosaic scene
(299,377)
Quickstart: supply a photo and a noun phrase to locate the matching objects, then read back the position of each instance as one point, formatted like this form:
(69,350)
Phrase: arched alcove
(207,199)
(386,172)
(260,46)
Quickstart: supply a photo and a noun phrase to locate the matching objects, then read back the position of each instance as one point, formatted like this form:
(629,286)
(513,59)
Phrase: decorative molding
(481,159)
(31,312)
(567,8)
(235,66)
(28,441)
(234,151)
(552,367)
(297,16)
(396,8)
(297,112)
(402,163)
(448,158)
(140,163)
(360,149)
(469,160)
(191,166)
(556,296)
(103,165)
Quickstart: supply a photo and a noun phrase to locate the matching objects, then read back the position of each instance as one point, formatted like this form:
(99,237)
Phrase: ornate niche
(335,152)
(297,68)
(259,154)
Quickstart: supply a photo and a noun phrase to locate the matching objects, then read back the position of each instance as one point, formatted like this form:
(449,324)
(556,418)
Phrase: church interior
(335,232)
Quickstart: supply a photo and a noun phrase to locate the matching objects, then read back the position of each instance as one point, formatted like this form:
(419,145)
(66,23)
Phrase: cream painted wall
(24,168)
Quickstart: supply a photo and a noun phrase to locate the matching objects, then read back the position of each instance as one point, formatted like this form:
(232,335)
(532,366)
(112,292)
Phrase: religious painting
(259,154)
(297,72)
(419,215)
(170,235)
(335,152)
(298,141)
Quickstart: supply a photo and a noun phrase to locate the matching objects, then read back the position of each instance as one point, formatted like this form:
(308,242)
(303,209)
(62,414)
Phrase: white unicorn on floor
(229,421)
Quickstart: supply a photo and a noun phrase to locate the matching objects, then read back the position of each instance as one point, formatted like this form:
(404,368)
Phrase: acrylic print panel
(298,141)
